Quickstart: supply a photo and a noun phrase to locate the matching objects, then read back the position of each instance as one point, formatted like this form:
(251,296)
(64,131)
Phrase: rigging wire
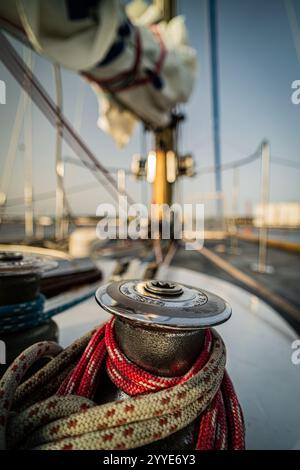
(28,159)
(91,167)
(246,161)
(79,105)
(19,70)
(19,123)
(230,165)
(18,201)
(294,25)
(285,162)
(13,144)
(61,206)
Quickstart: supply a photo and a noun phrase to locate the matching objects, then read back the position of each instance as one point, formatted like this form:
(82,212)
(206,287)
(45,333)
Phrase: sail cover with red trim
(139,67)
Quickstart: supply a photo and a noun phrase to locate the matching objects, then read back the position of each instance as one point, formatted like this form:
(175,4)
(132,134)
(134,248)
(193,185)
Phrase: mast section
(164,139)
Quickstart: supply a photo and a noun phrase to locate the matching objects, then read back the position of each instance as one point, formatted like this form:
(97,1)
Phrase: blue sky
(258,63)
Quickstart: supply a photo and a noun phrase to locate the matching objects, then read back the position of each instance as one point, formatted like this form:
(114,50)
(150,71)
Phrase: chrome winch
(163,304)
(160,326)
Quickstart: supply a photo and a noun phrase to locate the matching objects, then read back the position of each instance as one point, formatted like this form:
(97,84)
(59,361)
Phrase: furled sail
(140,68)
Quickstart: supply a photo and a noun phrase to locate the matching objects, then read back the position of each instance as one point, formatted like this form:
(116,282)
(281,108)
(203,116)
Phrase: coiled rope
(25,315)
(54,409)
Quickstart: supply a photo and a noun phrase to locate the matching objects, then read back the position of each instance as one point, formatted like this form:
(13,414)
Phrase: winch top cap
(14,263)
(163,304)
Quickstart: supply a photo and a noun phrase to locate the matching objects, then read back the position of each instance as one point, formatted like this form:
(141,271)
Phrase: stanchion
(261,266)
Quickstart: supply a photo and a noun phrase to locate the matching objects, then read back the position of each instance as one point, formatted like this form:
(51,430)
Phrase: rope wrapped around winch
(25,315)
(54,409)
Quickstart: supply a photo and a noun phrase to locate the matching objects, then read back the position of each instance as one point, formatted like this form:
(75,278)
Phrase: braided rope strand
(157,406)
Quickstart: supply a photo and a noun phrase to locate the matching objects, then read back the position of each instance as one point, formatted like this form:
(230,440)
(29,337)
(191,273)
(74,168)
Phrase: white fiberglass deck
(259,353)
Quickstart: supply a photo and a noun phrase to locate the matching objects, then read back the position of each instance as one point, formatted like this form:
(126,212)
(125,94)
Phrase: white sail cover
(140,68)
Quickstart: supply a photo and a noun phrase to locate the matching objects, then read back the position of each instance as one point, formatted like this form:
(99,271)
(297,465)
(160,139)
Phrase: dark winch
(20,276)
(20,302)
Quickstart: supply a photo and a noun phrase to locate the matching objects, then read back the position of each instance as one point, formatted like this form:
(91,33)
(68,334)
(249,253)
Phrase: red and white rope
(158,407)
